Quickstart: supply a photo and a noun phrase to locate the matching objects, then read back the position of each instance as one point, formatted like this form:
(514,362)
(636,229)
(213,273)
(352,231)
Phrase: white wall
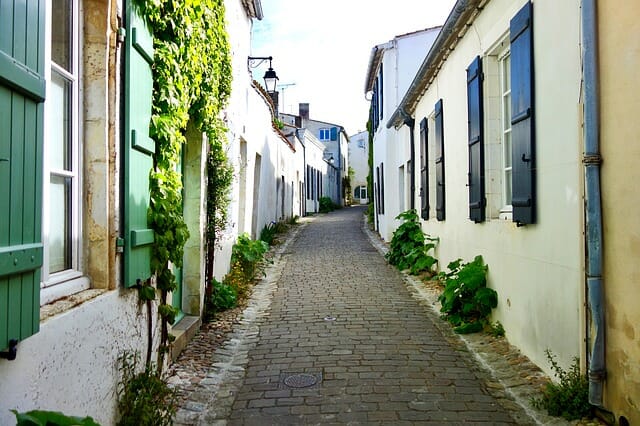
(71,364)
(358,161)
(536,270)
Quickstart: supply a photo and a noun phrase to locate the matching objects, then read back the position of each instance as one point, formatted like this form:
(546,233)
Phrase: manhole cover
(300,380)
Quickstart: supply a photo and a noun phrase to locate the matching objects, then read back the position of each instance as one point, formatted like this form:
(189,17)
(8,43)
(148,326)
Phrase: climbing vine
(192,82)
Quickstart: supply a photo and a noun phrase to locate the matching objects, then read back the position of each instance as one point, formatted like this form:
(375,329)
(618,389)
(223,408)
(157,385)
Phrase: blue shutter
(439,134)
(522,117)
(424,169)
(382,187)
(334,134)
(477,199)
(22,92)
(138,149)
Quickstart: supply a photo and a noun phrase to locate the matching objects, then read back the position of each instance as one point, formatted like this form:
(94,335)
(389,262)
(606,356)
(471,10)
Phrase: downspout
(593,213)
(410,121)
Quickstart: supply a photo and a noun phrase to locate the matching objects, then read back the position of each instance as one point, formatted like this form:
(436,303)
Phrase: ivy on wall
(192,82)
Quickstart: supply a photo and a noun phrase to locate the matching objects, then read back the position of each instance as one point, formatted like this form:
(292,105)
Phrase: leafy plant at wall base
(247,253)
(326,205)
(51,418)
(144,398)
(410,247)
(466,300)
(569,398)
(495,329)
(224,297)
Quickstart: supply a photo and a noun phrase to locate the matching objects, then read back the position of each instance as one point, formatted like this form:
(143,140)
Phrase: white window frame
(71,280)
(505,136)
(324,134)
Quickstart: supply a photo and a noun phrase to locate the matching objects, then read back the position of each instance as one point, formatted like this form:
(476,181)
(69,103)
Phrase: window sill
(506,214)
(68,302)
(73,284)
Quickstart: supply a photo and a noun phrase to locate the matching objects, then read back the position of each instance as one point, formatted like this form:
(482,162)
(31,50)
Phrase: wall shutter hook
(12,352)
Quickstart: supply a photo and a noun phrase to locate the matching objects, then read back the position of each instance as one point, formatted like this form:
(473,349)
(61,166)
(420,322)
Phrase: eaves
(460,19)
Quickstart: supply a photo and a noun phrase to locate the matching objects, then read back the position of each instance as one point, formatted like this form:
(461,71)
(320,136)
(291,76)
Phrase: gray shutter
(424,169)
(22,93)
(476,141)
(522,118)
(439,134)
(138,149)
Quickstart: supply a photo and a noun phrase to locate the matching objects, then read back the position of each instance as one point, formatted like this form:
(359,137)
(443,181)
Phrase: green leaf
(51,418)
(146,292)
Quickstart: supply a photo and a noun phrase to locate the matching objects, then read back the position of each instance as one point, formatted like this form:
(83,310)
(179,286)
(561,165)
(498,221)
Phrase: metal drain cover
(300,380)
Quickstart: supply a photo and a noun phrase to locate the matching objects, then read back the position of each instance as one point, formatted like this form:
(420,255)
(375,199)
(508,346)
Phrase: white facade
(537,269)
(359,163)
(392,66)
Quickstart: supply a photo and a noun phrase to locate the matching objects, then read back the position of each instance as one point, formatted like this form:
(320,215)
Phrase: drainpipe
(593,213)
(409,121)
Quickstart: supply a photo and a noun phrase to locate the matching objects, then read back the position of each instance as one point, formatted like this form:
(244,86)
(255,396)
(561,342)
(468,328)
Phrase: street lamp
(270,77)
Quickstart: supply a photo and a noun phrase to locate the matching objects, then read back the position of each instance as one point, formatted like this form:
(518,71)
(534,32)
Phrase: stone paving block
(330,305)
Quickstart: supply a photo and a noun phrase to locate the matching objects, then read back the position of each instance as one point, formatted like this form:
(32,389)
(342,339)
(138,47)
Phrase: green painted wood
(138,149)
(22,91)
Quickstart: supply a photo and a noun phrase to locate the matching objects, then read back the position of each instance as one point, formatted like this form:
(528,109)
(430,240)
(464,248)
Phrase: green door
(22,93)
(138,149)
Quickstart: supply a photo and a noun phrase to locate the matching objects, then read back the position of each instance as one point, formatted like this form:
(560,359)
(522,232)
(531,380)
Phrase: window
(62,189)
(504,61)
(360,192)
(325,134)
(361,143)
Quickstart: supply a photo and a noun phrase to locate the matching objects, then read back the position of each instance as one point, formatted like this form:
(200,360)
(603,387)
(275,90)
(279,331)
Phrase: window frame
(324,134)
(72,279)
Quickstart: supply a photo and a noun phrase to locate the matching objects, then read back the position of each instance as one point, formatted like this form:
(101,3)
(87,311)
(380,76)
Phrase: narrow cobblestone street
(334,335)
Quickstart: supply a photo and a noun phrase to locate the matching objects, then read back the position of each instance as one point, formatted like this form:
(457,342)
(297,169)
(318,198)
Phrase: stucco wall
(537,269)
(71,364)
(619,38)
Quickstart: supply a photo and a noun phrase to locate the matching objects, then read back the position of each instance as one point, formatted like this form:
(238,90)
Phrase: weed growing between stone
(569,398)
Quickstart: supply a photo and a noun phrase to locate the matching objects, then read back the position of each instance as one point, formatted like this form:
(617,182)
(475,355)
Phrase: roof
(376,56)
(458,22)
(253,8)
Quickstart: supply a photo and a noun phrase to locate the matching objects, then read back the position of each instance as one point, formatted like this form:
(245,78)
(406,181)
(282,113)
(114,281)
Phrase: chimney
(303,112)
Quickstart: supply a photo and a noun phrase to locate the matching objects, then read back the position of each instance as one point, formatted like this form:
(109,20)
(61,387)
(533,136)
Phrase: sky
(321,49)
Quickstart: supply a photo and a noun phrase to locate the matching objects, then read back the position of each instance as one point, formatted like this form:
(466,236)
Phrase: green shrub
(570,397)
(144,398)
(268,233)
(246,254)
(224,297)
(466,299)
(326,205)
(409,248)
(51,418)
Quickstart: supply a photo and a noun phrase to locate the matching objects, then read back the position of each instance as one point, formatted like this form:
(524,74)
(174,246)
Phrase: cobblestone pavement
(334,335)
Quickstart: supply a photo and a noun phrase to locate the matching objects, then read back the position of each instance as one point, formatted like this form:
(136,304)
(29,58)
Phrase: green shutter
(138,149)
(22,92)
(424,169)
(439,136)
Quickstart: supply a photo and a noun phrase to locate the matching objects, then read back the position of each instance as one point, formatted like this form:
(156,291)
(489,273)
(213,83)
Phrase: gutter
(452,31)
(593,207)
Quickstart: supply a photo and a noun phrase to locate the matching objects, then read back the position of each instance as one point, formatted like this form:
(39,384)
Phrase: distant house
(392,65)
(359,163)
(523,112)
(334,139)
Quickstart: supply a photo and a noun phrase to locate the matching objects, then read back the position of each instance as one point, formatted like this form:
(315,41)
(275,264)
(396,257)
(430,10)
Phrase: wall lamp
(270,77)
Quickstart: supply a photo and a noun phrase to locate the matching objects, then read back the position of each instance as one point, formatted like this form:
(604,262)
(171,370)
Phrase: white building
(392,66)
(359,163)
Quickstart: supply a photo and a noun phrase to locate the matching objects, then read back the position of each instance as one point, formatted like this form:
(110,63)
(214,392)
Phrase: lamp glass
(270,80)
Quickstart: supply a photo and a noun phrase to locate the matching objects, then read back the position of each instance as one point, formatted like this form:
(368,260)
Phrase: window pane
(507,150)
(61,11)
(59,221)
(59,123)
(507,187)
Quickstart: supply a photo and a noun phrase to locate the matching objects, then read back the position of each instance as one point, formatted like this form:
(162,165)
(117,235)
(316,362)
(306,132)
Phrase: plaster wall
(358,161)
(71,365)
(537,270)
(619,57)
